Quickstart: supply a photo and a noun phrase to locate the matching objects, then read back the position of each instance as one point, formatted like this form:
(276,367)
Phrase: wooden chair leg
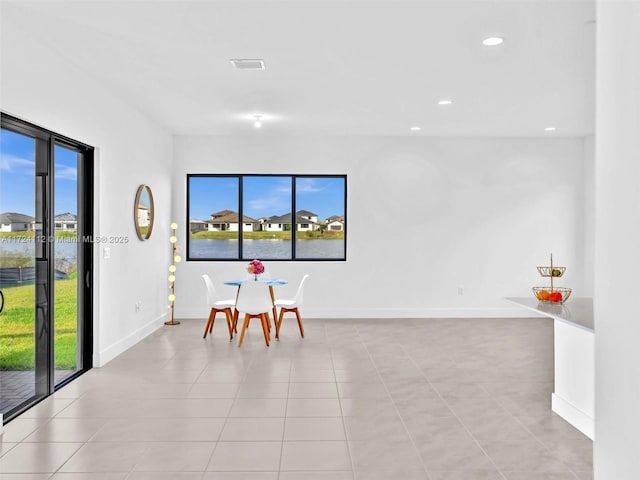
(297,312)
(266,317)
(209,325)
(213,319)
(273,309)
(298,318)
(244,328)
(278,322)
(236,314)
(229,316)
(265,328)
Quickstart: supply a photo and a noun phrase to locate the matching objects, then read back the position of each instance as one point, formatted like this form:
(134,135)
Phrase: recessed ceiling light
(445,101)
(247,63)
(492,41)
(415,129)
(550,129)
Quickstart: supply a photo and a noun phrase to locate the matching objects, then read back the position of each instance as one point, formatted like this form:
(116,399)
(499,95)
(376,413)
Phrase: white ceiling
(341,67)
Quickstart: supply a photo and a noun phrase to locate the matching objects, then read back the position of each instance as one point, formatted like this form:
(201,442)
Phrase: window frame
(240,177)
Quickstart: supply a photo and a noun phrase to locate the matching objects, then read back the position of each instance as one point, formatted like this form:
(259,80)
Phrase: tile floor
(437,399)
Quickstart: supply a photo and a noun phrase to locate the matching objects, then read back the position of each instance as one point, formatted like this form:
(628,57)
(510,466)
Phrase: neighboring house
(144,215)
(227,220)
(16,222)
(279,223)
(312,217)
(335,223)
(66,221)
(197,226)
(282,223)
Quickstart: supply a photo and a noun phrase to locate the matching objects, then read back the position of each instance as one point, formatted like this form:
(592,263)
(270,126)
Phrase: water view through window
(239,217)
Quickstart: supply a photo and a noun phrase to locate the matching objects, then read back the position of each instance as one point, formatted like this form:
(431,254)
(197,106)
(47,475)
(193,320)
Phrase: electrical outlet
(137,306)
(460,291)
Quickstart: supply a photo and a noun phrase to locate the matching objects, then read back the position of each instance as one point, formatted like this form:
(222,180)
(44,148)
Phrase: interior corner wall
(436,227)
(617,262)
(42,87)
(589,233)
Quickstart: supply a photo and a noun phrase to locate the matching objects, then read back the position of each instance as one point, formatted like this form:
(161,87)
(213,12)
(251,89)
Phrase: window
(242,217)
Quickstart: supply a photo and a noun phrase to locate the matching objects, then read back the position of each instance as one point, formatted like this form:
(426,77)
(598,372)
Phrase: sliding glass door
(19,337)
(45,266)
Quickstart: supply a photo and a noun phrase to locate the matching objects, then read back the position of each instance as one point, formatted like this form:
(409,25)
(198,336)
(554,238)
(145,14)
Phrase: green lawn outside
(17,326)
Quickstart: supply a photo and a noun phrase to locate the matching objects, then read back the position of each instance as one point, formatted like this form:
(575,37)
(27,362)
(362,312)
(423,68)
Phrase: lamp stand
(172,277)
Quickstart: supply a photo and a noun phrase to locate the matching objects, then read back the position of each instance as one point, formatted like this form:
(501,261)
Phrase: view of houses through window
(234,217)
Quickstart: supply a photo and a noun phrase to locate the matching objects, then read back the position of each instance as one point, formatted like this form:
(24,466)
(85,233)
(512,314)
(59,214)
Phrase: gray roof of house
(229,216)
(286,218)
(306,213)
(66,217)
(12,217)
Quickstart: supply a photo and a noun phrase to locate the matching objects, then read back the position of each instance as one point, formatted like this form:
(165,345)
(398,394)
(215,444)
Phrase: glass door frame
(46,141)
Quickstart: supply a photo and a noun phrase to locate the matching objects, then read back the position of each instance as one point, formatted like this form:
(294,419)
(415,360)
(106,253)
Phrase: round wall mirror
(143,212)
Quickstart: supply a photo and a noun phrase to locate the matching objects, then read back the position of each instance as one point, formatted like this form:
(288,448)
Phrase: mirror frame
(136,218)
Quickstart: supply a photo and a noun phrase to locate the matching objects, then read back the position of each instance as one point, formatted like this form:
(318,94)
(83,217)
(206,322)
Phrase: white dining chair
(291,305)
(216,304)
(254,301)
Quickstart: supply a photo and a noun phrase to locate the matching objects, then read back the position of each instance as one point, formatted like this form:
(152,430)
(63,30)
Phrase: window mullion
(240,216)
(294,227)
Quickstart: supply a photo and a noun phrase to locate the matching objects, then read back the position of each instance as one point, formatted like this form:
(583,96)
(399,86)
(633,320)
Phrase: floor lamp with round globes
(175,258)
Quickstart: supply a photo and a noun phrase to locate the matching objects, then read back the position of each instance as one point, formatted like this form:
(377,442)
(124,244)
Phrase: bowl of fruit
(552,295)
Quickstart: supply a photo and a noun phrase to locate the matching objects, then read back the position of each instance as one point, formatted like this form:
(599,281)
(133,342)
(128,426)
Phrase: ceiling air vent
(248,64)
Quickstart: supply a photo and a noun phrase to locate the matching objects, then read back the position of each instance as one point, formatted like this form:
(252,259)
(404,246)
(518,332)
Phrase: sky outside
(266,196)
(17,176)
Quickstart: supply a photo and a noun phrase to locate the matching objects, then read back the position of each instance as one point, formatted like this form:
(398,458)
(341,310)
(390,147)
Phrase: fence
(14,276)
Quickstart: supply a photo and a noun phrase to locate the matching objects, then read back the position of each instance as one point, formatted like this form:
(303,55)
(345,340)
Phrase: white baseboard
(573,415)
(506,312)
(107,354)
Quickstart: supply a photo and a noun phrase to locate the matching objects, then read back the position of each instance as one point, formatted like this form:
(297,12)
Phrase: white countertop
(576,311)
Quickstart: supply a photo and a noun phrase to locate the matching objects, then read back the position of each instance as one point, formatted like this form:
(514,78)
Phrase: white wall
(476,214)
(41,86)
(589,214)
(617,262)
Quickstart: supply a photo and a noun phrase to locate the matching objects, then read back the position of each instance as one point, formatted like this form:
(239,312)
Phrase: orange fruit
(543,295)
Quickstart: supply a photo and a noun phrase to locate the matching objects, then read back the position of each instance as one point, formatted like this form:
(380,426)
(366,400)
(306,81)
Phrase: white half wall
(617,262)
(477,214)
(42,86)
